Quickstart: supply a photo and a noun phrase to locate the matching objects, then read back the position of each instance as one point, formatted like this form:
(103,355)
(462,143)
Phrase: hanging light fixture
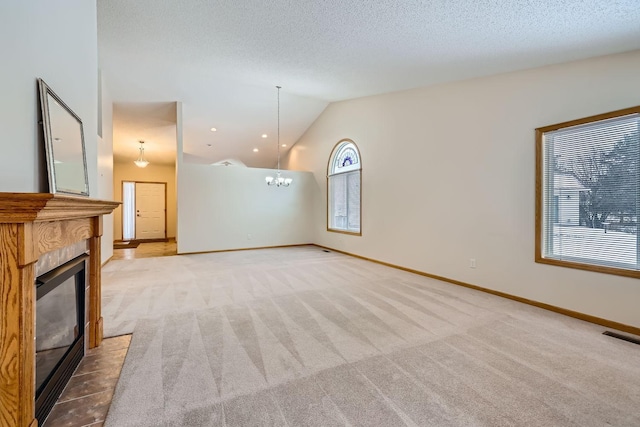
(141,162)
(279,180)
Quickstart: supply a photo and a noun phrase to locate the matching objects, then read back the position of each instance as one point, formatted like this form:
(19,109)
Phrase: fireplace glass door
(59,330)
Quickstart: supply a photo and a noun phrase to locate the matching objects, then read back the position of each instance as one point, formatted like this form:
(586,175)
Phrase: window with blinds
(343,182)
(587,200)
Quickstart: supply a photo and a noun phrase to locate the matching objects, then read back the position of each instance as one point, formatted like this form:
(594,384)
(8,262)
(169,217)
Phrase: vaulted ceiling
(222,60)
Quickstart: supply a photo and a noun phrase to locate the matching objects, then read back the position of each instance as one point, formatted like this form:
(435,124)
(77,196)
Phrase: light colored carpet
(300,337)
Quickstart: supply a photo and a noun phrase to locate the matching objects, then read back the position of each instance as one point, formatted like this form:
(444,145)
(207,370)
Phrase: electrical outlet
(248,236)
(472,263)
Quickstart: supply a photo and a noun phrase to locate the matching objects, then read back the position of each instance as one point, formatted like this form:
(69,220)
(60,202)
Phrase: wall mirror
(64,145)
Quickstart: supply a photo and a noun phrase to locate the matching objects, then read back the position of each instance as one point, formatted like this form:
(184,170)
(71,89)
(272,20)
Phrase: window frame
(539,192)
(334,152)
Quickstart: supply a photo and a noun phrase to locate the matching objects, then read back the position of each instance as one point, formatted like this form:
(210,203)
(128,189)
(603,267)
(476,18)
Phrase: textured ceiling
(222,59)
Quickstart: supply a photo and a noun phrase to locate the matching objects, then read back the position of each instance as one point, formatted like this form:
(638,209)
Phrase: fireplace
(60,320)
(33,225)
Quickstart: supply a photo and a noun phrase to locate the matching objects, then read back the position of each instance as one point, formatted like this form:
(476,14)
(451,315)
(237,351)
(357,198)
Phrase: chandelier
(141,162)
(279,180)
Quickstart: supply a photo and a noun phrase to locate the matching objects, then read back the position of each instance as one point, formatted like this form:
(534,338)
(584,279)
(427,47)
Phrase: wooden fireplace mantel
(32,224)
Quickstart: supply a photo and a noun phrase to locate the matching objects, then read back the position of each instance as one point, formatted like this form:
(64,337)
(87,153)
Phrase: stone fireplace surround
(31,226)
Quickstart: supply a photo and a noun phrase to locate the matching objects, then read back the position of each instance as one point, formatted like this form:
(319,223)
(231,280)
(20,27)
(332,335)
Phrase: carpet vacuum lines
(244,339)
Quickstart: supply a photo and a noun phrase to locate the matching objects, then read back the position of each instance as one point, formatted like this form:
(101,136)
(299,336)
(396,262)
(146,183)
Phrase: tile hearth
(87,397)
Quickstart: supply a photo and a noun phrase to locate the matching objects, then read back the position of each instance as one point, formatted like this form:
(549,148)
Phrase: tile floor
(147,250)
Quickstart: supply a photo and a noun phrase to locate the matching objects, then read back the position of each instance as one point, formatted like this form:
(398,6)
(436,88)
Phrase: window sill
(351,233)
(589,267)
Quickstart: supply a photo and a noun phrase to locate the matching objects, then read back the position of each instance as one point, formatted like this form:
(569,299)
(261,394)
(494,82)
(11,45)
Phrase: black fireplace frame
(49,392)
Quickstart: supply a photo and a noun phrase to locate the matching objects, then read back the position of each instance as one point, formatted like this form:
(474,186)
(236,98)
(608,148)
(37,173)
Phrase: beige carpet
(300,337)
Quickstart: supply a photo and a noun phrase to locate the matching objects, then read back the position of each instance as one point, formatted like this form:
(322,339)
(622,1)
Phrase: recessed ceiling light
(213,129)
(264,135)
(255,150)
(284,145)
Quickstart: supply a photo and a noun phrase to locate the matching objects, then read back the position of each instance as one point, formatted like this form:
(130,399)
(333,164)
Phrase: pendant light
(279,180)
(141,162)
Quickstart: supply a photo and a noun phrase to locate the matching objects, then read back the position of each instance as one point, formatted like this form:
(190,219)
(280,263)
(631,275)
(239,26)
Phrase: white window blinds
(590,193)
(344,209)
(128,210)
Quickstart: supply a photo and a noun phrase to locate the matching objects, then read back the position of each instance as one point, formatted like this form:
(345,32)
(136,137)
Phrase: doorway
(144,210)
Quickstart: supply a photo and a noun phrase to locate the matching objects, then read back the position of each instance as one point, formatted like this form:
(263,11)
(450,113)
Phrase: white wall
(152,173)
(105,170)
(232,207)
(56,41)
(179,162)
(448,175)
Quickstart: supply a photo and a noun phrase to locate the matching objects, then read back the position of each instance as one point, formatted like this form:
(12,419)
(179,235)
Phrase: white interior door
(150,210)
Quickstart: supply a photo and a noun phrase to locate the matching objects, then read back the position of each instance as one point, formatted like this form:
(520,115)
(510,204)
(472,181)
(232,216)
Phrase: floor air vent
(622,337)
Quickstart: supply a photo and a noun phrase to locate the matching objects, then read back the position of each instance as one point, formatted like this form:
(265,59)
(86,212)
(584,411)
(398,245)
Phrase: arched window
(343,189)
